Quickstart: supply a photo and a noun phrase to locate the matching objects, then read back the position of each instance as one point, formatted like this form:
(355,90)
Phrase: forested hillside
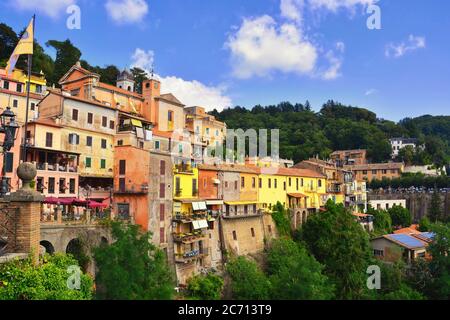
(303,132)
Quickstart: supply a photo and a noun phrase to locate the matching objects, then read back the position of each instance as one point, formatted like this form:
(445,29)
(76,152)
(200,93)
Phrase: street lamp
(9,127)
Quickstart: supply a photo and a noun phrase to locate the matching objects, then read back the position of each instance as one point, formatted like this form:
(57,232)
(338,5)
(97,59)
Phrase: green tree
(207,287)
(295,274)
(132,268)
(439,249)
(8,41)
(139,76)
(66,56)
(22,280)
(401,217)
(382,221)
(424,224)
(338,241)
(281,219)
(407,155)
(435,212)
(248,282)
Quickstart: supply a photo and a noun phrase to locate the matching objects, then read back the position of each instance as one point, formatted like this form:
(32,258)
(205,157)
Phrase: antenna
(153,72)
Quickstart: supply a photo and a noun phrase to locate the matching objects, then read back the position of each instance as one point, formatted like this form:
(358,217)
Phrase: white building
(398,144)
(385,204)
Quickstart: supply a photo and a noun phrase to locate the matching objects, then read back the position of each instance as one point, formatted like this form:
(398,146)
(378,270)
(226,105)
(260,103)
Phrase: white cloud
(334,5)
(127,11)
(195,93)
(261,46)
(398,50)
(371,92)
(190,93)
(334,70)
(143,59)
(51,8)
(292,9)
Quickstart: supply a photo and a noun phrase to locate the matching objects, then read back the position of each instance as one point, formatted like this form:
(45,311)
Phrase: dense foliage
(401,217)
(294,274)
(207,287)
(337,241)
(382,223)
(281,218)
(132,268)
(411,180)
(22,280)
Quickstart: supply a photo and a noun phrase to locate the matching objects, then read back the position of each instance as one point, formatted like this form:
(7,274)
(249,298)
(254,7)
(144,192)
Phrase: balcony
(178,192)
(188,238)
(243,214)
(190,256)
(133,189)
(183,168)
(189,217)
(43,166)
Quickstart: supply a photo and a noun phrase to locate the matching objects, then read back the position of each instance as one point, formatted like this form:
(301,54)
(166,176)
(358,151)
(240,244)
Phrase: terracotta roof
(375,166)
(228,167)
(170,98)
(120,90)
(297,195)
(46,122)
(410,230)
(59,93)
(294,172)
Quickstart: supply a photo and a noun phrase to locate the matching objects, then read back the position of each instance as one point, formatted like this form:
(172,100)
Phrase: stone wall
(417,203)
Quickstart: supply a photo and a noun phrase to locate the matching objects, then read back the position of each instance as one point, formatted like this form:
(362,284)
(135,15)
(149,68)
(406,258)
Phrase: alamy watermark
(374,279)
(374,20)
(74,280)
(73,22)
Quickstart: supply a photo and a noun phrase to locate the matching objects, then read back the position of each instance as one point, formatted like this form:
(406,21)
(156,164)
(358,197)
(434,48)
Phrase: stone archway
(49,248)
(304,217)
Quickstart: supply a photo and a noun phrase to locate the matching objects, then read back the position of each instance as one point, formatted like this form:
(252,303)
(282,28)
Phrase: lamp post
(9,127)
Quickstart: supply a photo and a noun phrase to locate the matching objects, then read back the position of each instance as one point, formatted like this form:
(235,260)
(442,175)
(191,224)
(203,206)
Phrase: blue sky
(236,52)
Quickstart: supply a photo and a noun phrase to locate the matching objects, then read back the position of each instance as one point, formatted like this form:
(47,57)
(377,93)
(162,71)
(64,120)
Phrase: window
(235,185)
(207,131)
(122,184)
(123,210)
(242,182)
(9,162)
(253,232)
(33,106)
(19,87)
(157,145)
(89,141)
(48,140)
(15,103)
(254,208)
(162,167)
(88,162)
(374,171)
(170,116)
(51,185)
(112,125)
(284,185)
(72,186)
(217,133)
(269,183)
(103,143)
(162,210)
(162,190)
(245,209)
(74,114)
(90,118)
(260,182)
(62,186)
(364,172)
(103,164)
(301,182)
(194,187)
(6,85)
(226,184)
(290,182)
(40,184)
(378,253)
(104,121)
(384,171)
(276,183)
(320,183)
(253,183)
(162,233)
(177,185)
(122,167)
(234,236)
(74,139)
(120,143)
(38,88)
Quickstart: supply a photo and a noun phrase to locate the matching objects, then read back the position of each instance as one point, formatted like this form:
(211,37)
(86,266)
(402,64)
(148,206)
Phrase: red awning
(51,200)
(94,205)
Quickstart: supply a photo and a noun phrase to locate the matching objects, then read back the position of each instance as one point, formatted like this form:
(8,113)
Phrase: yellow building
(185,190)
(37,80)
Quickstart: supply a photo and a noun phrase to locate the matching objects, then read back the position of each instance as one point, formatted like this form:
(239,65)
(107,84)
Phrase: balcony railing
(190,256)
(189,237)
(133,189)
(183,168)
(43,166)
(188,217)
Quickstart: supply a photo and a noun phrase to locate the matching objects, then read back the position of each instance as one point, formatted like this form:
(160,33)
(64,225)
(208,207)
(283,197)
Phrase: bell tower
(151,90)
(125,81)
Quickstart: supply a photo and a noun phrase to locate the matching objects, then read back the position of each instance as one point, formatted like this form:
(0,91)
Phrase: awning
(198,206)
(136,123)
(94,205)
(200,224)
(297,195)
(214,202)
(237,203)
(140,133)
(216,181)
